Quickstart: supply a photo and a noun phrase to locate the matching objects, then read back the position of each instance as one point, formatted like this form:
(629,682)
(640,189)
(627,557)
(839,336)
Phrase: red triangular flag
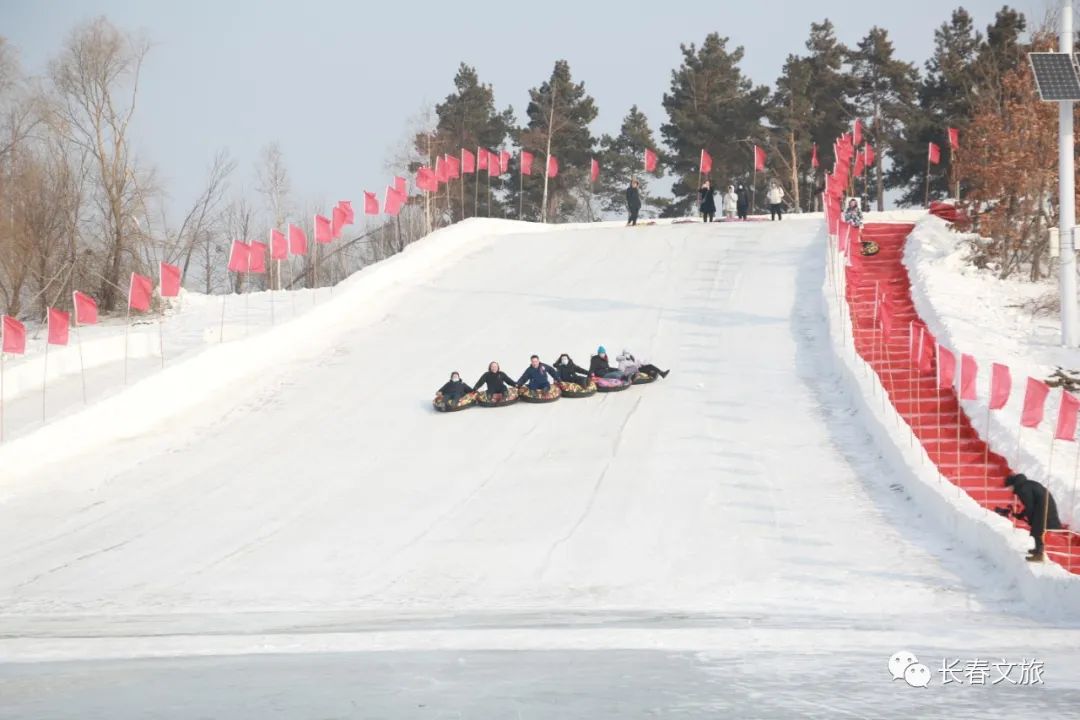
(1066,424)
(552,166)
(1034,401)
(58,323)
(279,248)
(324,232)
(140,291)
(650,161)
(814,162)
(257,257)
(1000,386)
(468,161)
(759,158)
(14,340)
(169,280)
(946,367)
(926,353)
(297,240)
(969,371)
(705,164)
(856,134)
(238,257)
(85,308)
(594,171)
(954,139)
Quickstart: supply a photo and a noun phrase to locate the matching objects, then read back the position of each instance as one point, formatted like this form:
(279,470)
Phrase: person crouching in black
(496,380)
(633,202)
(1039,510)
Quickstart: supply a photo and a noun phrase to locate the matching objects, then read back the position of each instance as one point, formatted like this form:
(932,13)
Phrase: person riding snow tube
(500,390)
(576,382)
(637,371)
(454,395)
(599,366)
(533,384)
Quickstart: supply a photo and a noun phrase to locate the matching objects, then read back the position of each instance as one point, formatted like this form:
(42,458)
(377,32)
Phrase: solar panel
(1055,76)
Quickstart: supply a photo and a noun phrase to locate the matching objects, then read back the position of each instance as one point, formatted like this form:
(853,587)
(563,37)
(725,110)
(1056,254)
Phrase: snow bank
(1047,587)
(195,382)
(974,312)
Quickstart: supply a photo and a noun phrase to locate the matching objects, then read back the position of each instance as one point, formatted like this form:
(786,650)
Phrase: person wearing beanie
(600,367)
(1039,510)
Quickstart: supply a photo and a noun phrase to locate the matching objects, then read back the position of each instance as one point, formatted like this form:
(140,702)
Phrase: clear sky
(335,82)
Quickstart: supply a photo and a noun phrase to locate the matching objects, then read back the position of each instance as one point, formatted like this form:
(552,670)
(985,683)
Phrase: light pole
(1067,196)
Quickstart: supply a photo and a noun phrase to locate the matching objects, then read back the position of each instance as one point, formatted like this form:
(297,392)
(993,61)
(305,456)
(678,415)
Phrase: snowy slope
(294,492)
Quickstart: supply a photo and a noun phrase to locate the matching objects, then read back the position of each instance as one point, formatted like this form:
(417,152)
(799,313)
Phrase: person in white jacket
(730,202)
(775,198)
(630,366)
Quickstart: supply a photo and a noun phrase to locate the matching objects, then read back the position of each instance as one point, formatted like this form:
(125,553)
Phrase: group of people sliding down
(567,380)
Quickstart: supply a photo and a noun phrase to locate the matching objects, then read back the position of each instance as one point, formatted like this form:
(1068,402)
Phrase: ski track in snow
(737,509)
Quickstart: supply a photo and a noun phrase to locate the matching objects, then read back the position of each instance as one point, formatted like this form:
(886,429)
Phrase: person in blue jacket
(536,375)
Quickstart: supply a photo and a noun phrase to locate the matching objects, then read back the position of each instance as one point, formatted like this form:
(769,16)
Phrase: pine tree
(946,93)
(711,105)
(831,90)
(622,158)
(559,113)
(467,118)
(791,113)
(885,96)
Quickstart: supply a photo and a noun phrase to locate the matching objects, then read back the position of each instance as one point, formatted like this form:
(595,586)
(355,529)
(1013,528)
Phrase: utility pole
(1067,196)
(547,157)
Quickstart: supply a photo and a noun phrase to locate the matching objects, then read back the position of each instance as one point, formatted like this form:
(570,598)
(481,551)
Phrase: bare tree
(198,226)
(239,221)
(96,78)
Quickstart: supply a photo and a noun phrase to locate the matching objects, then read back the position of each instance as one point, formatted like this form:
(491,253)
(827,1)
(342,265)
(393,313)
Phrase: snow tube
(574,390)
(443,405)
(551,394)
(643,379)
(499,400)
(610,385)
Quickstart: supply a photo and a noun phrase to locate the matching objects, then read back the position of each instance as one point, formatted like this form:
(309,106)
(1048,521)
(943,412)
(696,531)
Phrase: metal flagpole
(1,395)
(45,375)
(1066,197)
(127,332)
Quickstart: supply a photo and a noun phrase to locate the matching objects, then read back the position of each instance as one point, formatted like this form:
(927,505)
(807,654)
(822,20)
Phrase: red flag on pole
(504,161)
(946,367)
(85,309)
(346,207)
(140,290)
(594,170)
(759,158)
(279,248)
(814,162)
(926,351)
(371,203)
(481,159)
(324,233)
(859,164)
(1034,402)
(934,153)
(14,333)
(401,187)
(552,166)
(494,165)
(257,257)
(650,161)
(427,180)
(58,323)
(526,162)
(969,372)
(440,170)
(453,167)
(868,154)
(169,279)
(338,222)
(238,257)
(468,161)
(297,240)
(1066,424)
(705,164)
(392,203)
(1000,386)
(954,139)
(856,133)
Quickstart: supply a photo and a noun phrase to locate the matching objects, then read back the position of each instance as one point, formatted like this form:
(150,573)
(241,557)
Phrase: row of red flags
(140,295)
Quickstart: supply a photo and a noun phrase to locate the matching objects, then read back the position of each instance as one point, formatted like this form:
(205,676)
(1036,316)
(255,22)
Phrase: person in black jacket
(707,202)
(496,380)
(1033,496)
(599,366)
(569,372)
(537,375)
(455,389)
(742,207)
(633,202)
